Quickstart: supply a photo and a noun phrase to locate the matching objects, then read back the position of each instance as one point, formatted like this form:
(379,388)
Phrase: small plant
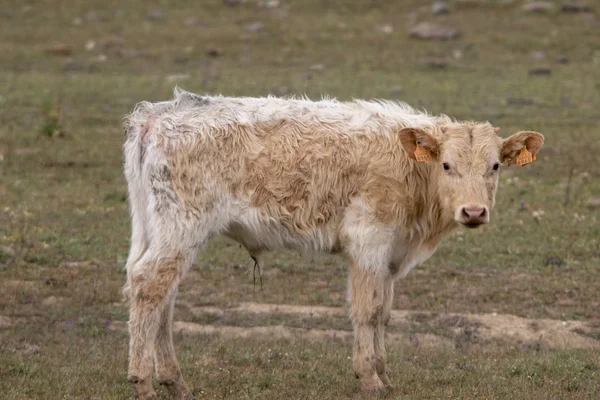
(51,126)
(24,369)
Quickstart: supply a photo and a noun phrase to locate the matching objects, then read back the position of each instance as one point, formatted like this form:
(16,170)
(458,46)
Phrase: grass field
(71,70)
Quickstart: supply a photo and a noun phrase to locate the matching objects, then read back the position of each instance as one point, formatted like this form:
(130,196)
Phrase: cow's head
(466,158)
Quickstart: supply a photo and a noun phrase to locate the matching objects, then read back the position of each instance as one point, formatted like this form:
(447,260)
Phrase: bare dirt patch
(414,327)
(476,327)
(278,332)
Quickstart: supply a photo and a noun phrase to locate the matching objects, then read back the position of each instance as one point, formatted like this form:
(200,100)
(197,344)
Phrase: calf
(376,180)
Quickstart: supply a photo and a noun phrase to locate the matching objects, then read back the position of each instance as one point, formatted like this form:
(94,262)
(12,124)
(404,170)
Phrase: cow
(378,181)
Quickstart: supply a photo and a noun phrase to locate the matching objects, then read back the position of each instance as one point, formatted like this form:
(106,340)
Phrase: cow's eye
(446,166)
(496,166)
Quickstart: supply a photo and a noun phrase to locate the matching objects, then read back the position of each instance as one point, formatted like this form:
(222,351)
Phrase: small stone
(155,15)
(575,7)
(90,45)
(430,31)
(255,26)
(395,91)
(100,58)
(317,67)
(538,7)
(191,21)
(540,71)
(594,203)
(537,55)
(77,21)
(440,8)
(213,52)
(387,29)
(59,49)
(562,60)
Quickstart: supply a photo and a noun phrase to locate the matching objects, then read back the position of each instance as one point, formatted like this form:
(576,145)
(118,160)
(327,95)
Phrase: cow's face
(466,159)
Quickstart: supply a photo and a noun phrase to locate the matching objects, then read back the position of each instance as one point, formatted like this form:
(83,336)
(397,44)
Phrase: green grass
(64,223)
(73,361)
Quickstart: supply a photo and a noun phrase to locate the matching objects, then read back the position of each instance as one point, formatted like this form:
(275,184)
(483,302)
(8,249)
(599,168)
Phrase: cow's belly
(255,231)
(406,257)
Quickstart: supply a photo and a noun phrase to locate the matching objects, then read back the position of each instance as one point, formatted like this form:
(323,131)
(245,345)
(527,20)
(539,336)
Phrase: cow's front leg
(366,291)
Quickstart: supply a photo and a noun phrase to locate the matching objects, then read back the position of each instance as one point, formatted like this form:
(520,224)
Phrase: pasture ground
(71,70)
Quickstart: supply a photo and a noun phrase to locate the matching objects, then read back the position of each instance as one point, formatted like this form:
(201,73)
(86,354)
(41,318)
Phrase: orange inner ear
(422,154)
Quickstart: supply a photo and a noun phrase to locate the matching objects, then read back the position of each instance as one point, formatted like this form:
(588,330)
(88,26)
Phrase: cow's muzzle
(472,215)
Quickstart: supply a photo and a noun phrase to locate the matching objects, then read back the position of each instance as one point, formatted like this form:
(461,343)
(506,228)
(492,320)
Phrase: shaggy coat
(276,173)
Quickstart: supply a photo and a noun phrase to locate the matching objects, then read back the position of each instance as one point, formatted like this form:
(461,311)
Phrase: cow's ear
(418,144)
(513,148)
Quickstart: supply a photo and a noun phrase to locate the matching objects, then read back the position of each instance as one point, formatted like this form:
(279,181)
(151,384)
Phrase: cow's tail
(138,126)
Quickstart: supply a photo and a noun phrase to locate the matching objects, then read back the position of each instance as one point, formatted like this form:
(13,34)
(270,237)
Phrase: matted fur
(293,173)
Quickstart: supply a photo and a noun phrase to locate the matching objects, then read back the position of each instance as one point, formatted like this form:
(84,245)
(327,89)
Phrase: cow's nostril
(483,212)
(465,213)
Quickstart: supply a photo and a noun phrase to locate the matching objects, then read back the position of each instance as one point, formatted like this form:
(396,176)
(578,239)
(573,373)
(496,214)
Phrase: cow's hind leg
(366,305)
(154,280)
(168,373)
(380,355)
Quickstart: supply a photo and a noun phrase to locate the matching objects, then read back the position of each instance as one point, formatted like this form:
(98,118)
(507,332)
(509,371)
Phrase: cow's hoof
(177,389)
(143,388)
(385,380)
(372,384)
